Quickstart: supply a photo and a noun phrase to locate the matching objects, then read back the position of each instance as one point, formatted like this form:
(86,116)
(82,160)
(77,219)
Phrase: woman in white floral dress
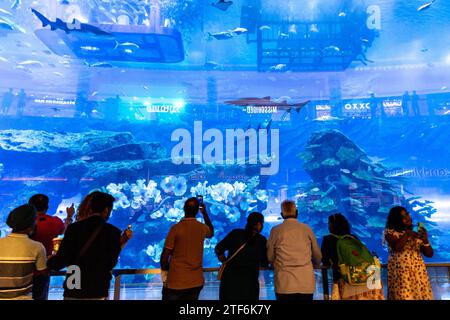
(407,273)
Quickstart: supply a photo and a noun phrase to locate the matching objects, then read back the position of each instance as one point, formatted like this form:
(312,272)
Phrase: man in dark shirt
(94,246)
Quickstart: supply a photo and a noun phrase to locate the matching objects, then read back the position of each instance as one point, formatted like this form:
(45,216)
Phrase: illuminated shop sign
(175,107)
(54,101)
(356,109)
(392,107)
(323,110)
(261,109)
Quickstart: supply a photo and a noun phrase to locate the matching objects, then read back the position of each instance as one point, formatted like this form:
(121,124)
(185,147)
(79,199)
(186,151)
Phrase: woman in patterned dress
(407,274)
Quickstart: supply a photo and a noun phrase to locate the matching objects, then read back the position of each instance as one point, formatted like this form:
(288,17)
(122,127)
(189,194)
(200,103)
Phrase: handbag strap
(89,242)
(237,251)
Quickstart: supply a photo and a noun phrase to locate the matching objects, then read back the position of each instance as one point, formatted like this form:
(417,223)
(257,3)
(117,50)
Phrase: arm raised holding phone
(126,236)
(207,220)
(426,248)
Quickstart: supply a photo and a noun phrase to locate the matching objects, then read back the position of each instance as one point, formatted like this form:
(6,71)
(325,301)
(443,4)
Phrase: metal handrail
(118,273)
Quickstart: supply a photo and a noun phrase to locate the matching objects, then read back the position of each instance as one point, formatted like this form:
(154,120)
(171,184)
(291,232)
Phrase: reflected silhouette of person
(405,103)
(8,98)
(22,101)
(415,103)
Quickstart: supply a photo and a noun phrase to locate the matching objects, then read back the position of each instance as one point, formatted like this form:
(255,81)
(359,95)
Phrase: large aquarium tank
(340,105)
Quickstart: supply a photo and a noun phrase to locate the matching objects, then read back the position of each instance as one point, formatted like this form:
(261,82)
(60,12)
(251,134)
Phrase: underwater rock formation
(345,179)
(70,161)
(36,142)
(45,149)
(150,190)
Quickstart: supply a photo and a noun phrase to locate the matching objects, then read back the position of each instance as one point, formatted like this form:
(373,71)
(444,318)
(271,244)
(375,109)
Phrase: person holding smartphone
(407,274)
(182,257)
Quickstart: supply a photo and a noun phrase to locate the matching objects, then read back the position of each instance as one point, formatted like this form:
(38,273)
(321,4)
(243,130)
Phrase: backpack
(354,258)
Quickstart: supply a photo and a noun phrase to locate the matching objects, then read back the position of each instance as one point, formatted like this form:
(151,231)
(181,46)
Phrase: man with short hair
(182,255)
(94,246)
(47,228)
(293,250)
(20,256)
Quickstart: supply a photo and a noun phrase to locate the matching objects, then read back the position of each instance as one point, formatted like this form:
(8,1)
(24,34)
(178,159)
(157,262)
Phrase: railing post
(117,280)
(326,293)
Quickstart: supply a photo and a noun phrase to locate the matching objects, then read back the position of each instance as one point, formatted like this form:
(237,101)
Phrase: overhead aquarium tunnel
(342,106)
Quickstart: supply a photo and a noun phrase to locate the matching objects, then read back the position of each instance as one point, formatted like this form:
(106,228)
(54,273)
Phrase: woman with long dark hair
(247,247)
(339,226)
(407,273)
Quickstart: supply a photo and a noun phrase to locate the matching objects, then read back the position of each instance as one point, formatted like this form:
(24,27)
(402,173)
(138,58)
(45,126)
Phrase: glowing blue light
(90,48)
(179,104)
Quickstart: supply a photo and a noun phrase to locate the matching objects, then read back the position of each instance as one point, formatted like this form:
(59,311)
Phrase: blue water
(335,155)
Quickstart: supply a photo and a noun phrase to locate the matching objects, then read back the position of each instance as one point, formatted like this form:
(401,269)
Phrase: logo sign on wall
(54,101)
(392,107)
(356,108)
(323,111)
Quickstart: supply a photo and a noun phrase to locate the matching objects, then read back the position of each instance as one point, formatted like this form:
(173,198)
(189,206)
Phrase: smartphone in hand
(200,199)
(420,226)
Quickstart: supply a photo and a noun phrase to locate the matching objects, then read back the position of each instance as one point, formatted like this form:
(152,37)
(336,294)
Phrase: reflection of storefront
(51,107)
(356,108)
(323,111)
(392,107)
(439,104)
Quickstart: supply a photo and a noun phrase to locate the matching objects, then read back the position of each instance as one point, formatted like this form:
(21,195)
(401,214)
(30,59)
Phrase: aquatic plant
(154,207)
(154,251)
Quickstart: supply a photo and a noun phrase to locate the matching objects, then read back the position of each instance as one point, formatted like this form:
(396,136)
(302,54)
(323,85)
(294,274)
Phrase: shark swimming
(67,27)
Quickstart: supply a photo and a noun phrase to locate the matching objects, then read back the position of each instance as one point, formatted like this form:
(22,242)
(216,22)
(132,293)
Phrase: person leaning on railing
(246,254)
(84,211)
(93,246)
(20,257)
(339,227)
(293,250)
(47,228)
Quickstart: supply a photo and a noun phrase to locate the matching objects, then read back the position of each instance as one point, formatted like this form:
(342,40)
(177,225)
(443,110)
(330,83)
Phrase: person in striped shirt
(20,256)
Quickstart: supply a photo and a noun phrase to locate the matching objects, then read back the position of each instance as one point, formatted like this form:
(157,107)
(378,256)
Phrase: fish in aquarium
(222,5)
(67,27)
(425,6)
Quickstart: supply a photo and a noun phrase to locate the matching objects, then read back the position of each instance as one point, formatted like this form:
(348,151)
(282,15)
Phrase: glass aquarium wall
(340,105)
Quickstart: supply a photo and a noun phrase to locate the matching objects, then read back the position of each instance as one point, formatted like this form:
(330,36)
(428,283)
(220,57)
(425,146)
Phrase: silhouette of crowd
(91,246)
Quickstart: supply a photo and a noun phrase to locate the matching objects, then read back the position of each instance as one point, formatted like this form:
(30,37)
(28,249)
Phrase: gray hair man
(293,250)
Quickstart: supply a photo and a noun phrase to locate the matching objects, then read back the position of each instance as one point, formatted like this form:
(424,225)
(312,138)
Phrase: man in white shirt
(293,250)
(20,256)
